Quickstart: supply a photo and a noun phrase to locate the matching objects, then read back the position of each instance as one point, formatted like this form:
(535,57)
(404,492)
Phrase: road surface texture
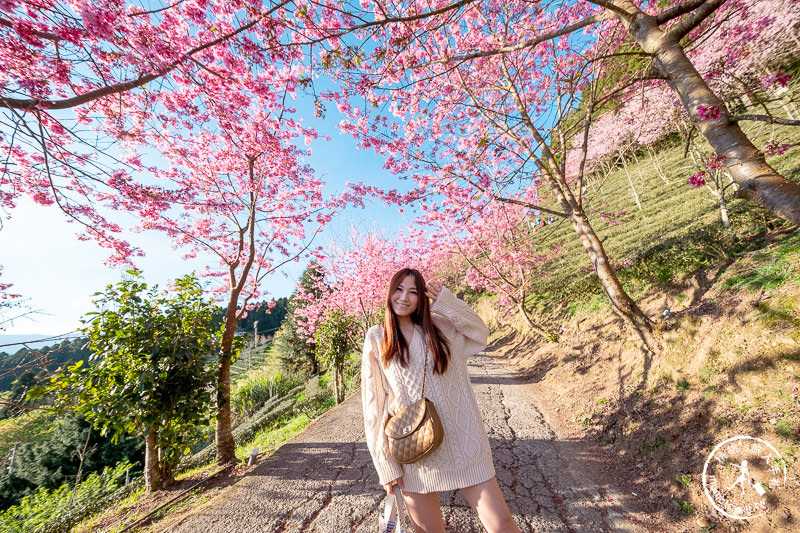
(323,481)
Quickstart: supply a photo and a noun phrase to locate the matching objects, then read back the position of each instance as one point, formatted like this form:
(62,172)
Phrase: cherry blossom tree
(355,277)
(83,81)
(497,244)
(481,103)
(742,59)
(658,32)
(246,200)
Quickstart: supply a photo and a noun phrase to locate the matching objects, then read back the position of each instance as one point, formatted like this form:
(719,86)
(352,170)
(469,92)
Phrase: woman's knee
(488,501)
(424,511)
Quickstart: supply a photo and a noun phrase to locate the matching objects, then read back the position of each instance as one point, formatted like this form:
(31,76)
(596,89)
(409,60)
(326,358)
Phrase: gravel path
(322,481)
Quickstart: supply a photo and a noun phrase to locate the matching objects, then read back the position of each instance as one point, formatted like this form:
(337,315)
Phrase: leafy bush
(333,347)
(316,399)
(56,511)
(252,394)
(274,411)
(49,462)
(148,374)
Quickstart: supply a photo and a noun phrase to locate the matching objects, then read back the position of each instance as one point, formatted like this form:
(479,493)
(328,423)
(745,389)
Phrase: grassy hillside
(729,357)
(677,231)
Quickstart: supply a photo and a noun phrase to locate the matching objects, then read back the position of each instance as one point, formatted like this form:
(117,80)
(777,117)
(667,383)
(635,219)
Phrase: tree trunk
(223,436)
(336,383)
(547,335)
(622,304)
(152,471)
(756,179)
(167,473)
(630,182)
(341,383)
(82,456)
(723,210)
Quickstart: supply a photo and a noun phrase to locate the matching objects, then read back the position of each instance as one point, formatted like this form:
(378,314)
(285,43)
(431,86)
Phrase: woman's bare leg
(487,499)
(425,511)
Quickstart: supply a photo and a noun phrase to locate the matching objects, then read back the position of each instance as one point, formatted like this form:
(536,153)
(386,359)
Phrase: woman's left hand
(432,289)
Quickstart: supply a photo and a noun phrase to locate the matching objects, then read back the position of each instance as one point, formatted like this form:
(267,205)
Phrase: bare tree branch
(530,43)
(682,28)
(768,119)
(678,11)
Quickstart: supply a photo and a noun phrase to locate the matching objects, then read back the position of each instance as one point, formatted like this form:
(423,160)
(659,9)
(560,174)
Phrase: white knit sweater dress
(464,457)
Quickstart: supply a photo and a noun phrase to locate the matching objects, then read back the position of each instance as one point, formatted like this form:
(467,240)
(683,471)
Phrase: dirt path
(322,481)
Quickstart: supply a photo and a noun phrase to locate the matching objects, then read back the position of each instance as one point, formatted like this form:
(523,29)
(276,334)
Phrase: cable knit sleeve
(375,404)
(464,320)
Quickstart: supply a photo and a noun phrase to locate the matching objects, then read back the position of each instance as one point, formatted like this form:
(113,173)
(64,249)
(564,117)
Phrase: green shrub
(51,462)
(316,399)
(56,511)
(685,508)
(276,410)
(253,393)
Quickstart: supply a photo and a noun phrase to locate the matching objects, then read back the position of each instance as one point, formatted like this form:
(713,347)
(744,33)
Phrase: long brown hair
(394,344)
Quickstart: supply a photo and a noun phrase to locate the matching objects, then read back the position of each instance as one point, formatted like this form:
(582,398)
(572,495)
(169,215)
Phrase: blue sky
(57,273)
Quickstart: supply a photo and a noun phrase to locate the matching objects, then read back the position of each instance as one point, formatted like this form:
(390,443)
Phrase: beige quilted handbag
(416,430)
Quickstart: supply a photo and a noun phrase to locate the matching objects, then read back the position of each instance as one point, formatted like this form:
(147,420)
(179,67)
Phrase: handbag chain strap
(424,369)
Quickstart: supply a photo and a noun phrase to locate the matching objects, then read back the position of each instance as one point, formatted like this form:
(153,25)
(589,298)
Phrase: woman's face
(405,299)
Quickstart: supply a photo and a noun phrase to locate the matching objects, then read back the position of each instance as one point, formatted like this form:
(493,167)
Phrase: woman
(391,379)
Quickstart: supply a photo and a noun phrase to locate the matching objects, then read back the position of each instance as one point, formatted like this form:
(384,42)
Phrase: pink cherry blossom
(698,179)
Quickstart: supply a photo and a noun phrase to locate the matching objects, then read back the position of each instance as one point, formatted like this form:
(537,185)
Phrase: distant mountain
(10,343)
(50,352)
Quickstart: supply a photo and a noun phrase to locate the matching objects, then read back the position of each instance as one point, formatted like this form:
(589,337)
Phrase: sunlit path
(323,480)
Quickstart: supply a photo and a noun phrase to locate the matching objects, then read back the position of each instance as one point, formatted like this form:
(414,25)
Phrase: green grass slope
(677,231)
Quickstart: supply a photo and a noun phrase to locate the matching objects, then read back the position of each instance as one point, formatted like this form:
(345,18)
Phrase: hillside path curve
(323,481)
